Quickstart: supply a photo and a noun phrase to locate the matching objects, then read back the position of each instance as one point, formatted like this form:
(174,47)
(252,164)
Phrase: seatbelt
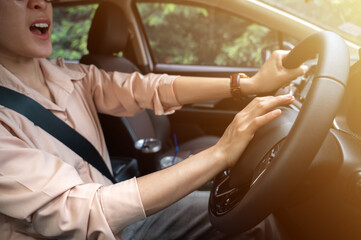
(54,126)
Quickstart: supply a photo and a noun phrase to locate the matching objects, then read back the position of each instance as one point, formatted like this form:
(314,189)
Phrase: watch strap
(235,85)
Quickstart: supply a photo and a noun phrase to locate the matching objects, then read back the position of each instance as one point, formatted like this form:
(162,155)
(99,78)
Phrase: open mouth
(39,28)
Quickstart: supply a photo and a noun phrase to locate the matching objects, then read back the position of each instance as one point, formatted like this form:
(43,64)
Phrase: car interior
(106,37)
(304,168)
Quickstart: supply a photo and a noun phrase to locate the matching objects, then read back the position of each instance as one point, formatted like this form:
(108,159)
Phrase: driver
(49,192)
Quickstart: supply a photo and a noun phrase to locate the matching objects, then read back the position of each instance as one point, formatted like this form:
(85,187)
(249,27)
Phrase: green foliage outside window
(180,34)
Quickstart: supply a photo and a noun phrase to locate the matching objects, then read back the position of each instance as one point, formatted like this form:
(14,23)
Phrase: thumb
(299,71)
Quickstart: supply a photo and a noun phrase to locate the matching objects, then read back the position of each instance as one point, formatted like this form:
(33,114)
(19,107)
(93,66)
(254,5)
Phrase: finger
(279,55)
(281,100)
(295,72)
(304,69)
(262,120)
(299,71)
(260,106)
(283,53)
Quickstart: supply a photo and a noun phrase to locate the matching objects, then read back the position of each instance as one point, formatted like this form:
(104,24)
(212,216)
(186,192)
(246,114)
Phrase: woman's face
(25,28)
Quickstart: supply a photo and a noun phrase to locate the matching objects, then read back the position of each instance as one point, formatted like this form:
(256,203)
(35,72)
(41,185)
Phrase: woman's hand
(272,75)
(243,127)
(162,188)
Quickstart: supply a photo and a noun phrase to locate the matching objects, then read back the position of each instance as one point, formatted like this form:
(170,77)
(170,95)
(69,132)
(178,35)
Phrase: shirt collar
(56,71)
(59,80)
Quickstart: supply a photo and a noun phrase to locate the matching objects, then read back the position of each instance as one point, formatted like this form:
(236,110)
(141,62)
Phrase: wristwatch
(235,85)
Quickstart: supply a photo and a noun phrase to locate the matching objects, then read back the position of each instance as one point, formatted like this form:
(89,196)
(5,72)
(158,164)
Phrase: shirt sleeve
(47,195)
(126,94)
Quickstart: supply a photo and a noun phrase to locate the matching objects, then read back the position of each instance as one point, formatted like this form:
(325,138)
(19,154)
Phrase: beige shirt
(46,190)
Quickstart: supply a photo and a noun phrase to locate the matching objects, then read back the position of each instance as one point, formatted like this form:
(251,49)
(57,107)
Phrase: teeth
(41,25)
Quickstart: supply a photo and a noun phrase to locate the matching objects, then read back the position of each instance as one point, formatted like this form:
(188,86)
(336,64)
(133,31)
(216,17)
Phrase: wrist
(220,157)
(247,85)
(241,85)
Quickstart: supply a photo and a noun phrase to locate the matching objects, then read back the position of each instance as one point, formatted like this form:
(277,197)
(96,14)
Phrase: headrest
(109,31)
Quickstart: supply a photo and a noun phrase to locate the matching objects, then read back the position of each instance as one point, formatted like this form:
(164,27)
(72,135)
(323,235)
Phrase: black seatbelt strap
(54,126)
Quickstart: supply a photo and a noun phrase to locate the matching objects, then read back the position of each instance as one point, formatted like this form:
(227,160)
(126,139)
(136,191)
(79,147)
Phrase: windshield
(341,16)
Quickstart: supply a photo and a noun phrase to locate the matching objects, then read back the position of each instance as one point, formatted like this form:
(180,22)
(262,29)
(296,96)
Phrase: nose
(37,4)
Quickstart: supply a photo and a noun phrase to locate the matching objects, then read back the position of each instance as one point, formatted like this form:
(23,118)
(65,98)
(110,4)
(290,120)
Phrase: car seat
(108,35)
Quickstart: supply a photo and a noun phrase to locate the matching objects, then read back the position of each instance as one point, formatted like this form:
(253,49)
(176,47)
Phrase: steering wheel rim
(250,202)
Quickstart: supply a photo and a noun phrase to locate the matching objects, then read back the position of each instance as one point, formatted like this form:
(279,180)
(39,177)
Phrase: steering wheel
(281,152)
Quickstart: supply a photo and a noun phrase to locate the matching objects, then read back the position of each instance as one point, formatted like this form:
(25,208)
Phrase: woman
(47,191)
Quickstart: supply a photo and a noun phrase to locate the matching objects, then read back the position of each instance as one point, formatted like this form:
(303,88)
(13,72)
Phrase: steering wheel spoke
(226,197)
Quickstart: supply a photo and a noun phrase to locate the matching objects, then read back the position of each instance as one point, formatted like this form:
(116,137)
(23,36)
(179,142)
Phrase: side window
(185,34)
(70,30)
